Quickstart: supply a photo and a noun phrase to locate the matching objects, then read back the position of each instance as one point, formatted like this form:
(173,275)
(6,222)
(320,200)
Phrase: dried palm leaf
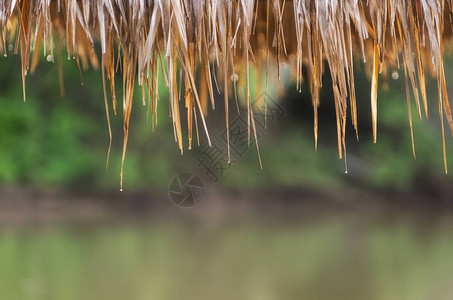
(210,40)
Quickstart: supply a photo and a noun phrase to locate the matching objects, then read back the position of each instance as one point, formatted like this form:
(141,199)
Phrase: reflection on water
(335,257)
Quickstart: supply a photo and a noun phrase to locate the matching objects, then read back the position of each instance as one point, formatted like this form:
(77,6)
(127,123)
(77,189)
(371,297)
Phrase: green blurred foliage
(54,141)
(61,142)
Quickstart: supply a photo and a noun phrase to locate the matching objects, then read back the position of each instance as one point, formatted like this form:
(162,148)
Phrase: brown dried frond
(213,38)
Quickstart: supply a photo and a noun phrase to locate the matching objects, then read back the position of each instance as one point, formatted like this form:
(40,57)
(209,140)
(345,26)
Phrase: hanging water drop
(395,75)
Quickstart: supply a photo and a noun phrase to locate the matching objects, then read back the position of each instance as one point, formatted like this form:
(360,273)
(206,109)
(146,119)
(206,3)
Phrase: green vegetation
(60,142)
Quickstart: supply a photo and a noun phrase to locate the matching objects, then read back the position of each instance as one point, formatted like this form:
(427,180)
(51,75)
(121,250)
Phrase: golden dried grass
(210,39)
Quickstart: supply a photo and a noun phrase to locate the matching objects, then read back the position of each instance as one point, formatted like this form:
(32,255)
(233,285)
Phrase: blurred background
(298,228)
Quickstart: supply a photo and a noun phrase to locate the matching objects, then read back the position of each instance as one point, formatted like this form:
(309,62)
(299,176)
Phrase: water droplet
(395,75)
(49,58)
(10,47)
(234,78)
(5,55)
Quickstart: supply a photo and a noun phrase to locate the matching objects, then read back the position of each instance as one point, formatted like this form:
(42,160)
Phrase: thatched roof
(212,38)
